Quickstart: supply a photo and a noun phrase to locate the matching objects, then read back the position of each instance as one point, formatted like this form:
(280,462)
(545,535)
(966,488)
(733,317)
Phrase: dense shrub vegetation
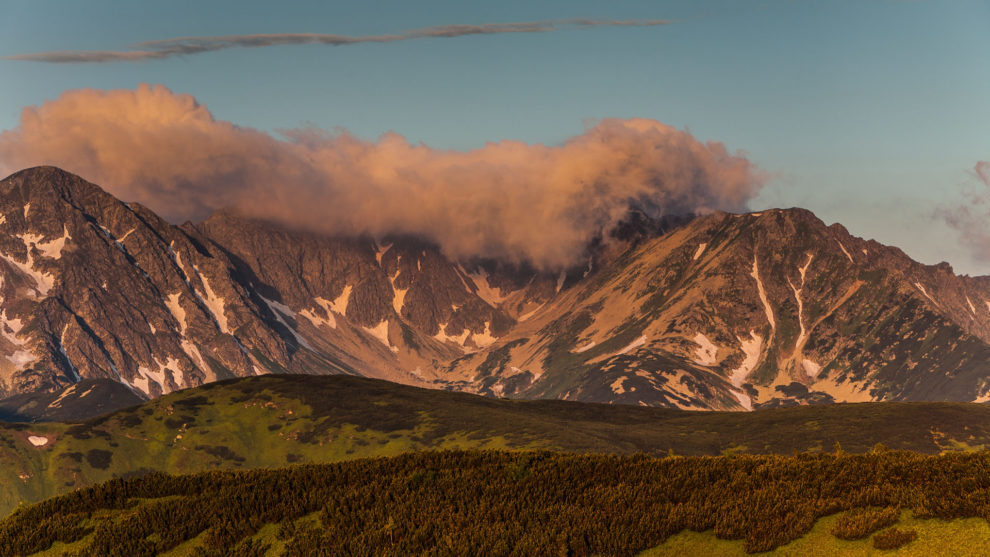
(860,523)
(893,538)
(499,503)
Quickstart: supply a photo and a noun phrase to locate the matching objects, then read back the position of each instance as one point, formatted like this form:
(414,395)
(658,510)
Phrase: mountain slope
(721,311)
(741,310)
(83,400)
(95,288)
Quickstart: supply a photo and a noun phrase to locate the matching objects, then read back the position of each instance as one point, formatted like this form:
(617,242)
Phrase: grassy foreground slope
(278,420)
(935,537)
(524,503)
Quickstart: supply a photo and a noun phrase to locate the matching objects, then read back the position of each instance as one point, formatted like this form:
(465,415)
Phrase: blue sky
(869,112)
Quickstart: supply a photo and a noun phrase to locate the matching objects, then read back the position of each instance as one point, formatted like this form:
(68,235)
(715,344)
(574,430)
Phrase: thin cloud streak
(186,46)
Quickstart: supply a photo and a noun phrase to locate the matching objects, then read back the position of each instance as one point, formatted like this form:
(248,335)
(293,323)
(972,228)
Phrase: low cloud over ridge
(510,200)
(970,217)
(186,46)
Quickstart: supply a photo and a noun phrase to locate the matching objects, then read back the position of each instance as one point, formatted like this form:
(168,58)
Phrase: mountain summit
(723,311)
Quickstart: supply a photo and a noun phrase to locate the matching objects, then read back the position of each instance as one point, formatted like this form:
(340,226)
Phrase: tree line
(503,503)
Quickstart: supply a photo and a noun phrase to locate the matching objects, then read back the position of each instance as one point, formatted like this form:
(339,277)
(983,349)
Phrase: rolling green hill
(279,420)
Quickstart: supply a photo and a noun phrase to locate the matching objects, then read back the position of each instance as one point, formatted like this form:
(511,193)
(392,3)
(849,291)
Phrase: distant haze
(510,200)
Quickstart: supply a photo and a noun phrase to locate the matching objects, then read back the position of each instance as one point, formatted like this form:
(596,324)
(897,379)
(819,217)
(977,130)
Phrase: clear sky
(872,113)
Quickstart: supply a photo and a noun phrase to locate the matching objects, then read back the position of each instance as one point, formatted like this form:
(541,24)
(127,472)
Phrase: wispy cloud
(971,214)
(185,46)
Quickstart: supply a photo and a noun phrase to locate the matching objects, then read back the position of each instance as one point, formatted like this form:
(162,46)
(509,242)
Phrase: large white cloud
(510,200)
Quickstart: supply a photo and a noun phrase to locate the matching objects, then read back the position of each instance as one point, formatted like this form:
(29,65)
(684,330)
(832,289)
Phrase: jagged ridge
(721,311)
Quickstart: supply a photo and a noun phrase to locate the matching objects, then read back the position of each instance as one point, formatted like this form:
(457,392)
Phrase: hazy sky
(872,113)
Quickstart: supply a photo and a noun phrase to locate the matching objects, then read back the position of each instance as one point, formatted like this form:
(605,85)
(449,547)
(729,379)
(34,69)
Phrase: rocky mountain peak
(731,311)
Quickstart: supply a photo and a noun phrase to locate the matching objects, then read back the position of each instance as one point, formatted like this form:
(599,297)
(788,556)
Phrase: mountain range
(717,311)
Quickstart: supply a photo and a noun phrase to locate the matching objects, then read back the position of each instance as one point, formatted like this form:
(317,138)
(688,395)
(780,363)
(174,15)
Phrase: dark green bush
(860,523)
(894,538)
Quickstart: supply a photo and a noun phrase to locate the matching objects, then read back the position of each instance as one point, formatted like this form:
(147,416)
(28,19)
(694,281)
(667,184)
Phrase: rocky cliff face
(722,311)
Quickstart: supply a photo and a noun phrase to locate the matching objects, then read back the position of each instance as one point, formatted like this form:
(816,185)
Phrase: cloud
(509,200)
(982,171)
(970,218)
(185,46)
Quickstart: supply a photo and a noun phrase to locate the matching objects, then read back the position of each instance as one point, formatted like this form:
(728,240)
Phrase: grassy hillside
(527,503)
(280,420)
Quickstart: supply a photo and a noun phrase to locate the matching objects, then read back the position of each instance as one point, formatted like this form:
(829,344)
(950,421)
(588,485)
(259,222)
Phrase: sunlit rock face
(722,311)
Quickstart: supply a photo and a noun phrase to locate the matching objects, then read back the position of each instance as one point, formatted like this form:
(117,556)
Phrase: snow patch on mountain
(10,328)
(707,351)
(339,304)
(51,249)
(175,307)
(751,348)
(22,359)
(460,339)
(177,257)
(485,338)
(37,440)
(315,319)
(925,292)
(281,311)
(632,346)
(811,368)
(803,334)
(380,251)
(491,295)
(380,332)
(585,348)
(192,351)
(744,400)
(398,294)
(699,251)
(763,294)
(531,313)
(398,297)
(843,248)
(61,350)
(43,281)
(172,366)
(215,304)
(146,376)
